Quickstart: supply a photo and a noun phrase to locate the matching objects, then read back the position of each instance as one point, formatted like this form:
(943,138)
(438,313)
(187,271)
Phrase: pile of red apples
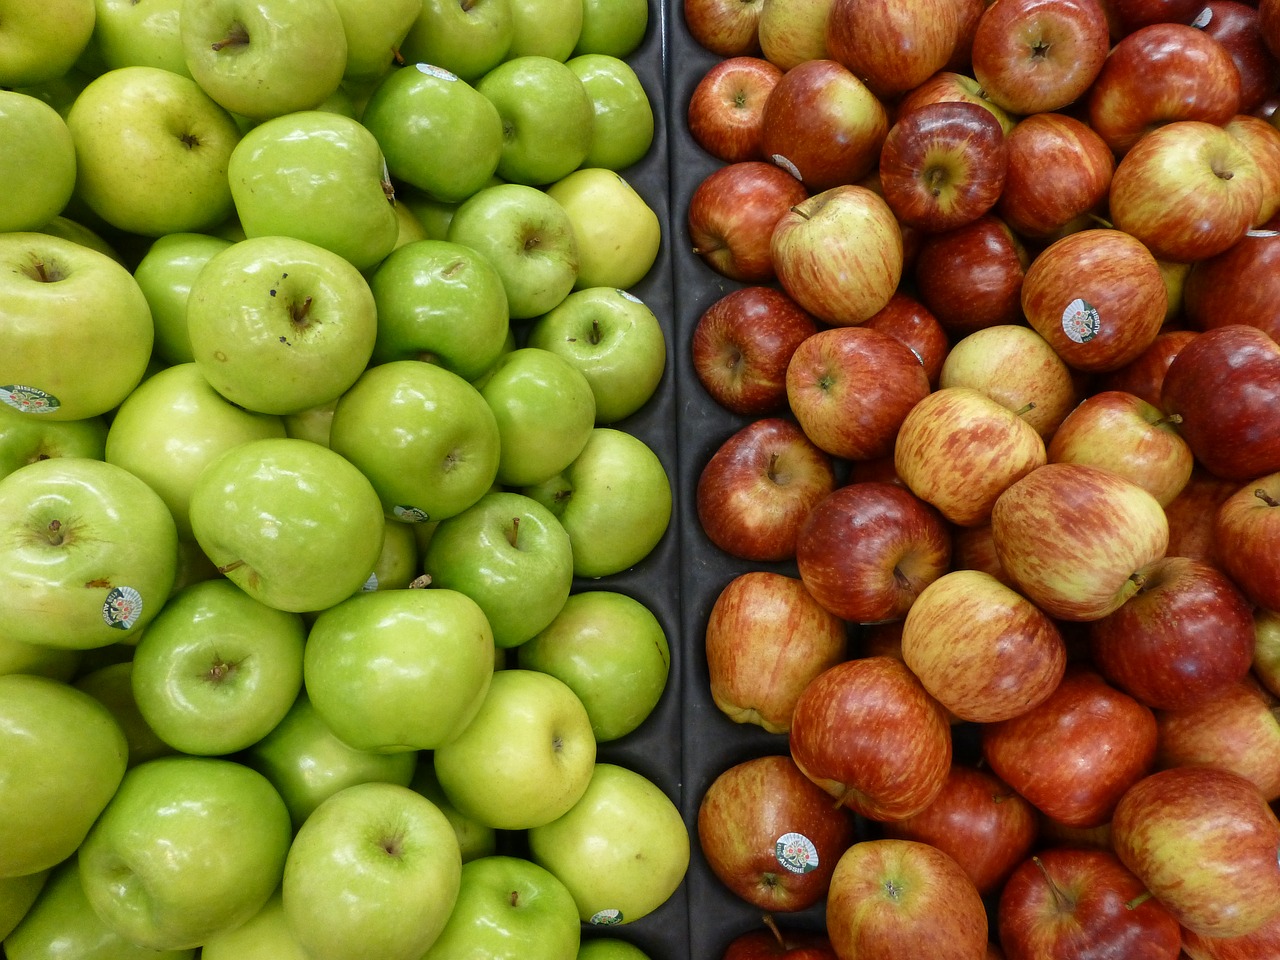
(1000,332)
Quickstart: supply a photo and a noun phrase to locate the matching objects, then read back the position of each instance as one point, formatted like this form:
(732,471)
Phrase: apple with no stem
(1193,512)
(890,44)
(793,32)
(912,324)
(732,214)
(1144,375)
(1237,286)
(727,28)
(1261,139)
(727,105)
(1237,26)
(1262,942)
(971,277)
(1244,535)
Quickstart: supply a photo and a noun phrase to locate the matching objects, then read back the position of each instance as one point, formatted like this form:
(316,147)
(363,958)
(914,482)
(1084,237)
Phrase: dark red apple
(971,277)
(732,213)
(1239,285)
(1246,535)
(774,942)
(1144,375)
(1236,26)
(912,324)
(725,108)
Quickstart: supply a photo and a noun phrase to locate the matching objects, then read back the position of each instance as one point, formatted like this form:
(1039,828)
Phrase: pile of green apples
(319,355)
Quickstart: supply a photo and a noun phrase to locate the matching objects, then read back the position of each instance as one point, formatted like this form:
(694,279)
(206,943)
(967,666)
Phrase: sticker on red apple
(787,165)
(1080,321)
(440,73)
(796,853)
(28,399)
(1259,232)
(607,918)
(122,608)
(1203,18)
(410,514)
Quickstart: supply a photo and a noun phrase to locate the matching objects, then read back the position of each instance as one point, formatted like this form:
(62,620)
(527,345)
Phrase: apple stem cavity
(43,272)
(298,311)
(1266,498)
(221,670)
(237,36)
(935,178)
(56,536)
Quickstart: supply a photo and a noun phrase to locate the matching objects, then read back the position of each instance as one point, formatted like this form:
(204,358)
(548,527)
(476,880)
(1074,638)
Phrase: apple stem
(421,582)
(233,565)
(1101,221)
(467,5)
(800,213)
(514,534)
(1138,901)
(41,273)
(55,532)
(771,924)
(397,57)
(595,337)
(1174,418)
(1060,899)
(1266,498)
(1024,410)
(301,310)
(1139,579)
(514,898)
(237,36)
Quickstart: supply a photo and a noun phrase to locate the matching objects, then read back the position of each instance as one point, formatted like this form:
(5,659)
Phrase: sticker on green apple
(438,72)
(410,514)
(1080,321)
(796,852)
(122,608)
(28,399)
(606,918)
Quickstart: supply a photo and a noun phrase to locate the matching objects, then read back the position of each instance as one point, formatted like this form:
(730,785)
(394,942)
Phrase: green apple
(468,38)
(374,872)
(508,553)
(112,686)
(612,652)
(525,759)
(397,564)
(36,658)
(151,151)
(264,58)
(615,28)
(609,948)
(279,324)
(622,850)
(165,273)
(69,229)
(307,763)
(546,115)
(615,339)
(312,423)
(545,28)
(77,328)
(374,29)
(88,557)
(475,839)
(319,177)
(25,439)
(17,894)
(264,936)
(37,162)
(172,427)
(423,436)
(622,128)
(294,524)
(545,412)
(614,500)
(408,227)
(442,302)
(438,132)
(193,566)
(140,33)
(217,670)
(62,925)
(529,239)
(509,908)
(187,848)
(399,670)
(42,41)
(617,232)
(62,757)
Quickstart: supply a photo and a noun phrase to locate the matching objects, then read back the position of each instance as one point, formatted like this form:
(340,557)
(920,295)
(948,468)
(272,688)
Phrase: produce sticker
(796,853)
(28,399)
(1080,321)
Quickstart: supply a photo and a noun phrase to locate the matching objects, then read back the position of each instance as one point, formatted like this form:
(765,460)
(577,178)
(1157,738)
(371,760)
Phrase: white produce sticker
(1080,321)
(796,853)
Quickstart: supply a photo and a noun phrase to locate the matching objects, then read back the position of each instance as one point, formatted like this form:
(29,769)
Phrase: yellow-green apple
(1236,286)
(727,28)
(25,439)
(896,763)
(1097,296)
(911,323)
(754,492)
(1266,655)
(609,948)
(43,43)
(292,523)
(77,328)
(163,834)
(1144,375)
(374,33)
(733,212)
(545,28)
(1222,384)
(545,137)
(771,835)
(1261,139)
(622,127)
(1244,535)
(822,125)
(984,651)
(866,550)
(932,907)
(980,821)
(468,39)
(959,450)
(38,161)
(376,867)
(615,28)
(165,273)
(1203,841)
(752,677)
(1104,741)
(622,849)
(616,231)
(265,934)
(889,45)
(63,759)
(791,32)
(971,277)
(726,108)
(1069,899)
(475,839)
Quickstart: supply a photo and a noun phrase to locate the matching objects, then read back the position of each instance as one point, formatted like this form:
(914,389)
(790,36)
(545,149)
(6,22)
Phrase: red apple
(822,125)
(1037,56)
(1261,140)
(1075,754)
(959,450)
(741,346)
(1203,841)
(771,835)
(867,550)
(1263,942)
(1269,25)
(757,488)
(911,323)
(1237,27)
(732,213)
(765,639)
(1246,535)
(724,27)
(901,898)
(1239,285)
(839,253)
(850,389)
(1097,296)
(1144,375)
(1070,902)
(1225,384)
(1192,514)
(774,942)
(943,165)
(794,31)
(971,277)
(894,45)
(1184,637)
(952,84)
(1072,537)
(725,108)
(974,548)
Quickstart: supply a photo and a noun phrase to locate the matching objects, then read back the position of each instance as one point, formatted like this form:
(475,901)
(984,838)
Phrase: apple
(911,323)
(25,439)
(954,84)
(616,231)
(374,33)
(622,849)
(77,325)
(292,523)
(1234,286)
(163,834)
(774,941)
(1256,944)
(971,277)
(889,44)
(112,686)
(1237,26)
(1262,140)
(1105,741)
(1143,377)
(771,835)
(43,43)
(725,111)
(896,763)
(1244,525)
(467,39)
(1192,513)
(165,274)
(546,28)
(612,29)
(727,28)
(264,61)
(1266,625)
(752,677)
(791,32)
(622,128)
(375,867)
(265,934)
(38,159)
(475,839)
